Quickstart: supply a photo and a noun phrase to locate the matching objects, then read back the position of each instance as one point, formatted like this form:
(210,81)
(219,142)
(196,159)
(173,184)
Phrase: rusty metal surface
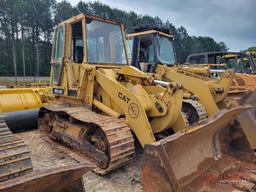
(247,119)
(104,139)
(242,83)
(15,157)
(212,156)
(67,178)
(194,114)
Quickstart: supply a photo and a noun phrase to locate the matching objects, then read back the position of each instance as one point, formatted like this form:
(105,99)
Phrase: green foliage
(63,11)
(251,49)
(27,25)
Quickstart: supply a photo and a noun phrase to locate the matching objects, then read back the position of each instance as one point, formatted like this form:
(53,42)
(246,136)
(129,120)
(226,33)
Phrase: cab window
(104,43)
(58,52)
(129,47)
(58,55)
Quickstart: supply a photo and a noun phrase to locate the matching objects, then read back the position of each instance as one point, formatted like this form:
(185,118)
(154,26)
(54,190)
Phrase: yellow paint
(21,99)
(191,84)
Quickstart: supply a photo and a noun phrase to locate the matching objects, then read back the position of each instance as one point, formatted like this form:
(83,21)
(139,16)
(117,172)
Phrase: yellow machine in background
(243,87)
(244,65)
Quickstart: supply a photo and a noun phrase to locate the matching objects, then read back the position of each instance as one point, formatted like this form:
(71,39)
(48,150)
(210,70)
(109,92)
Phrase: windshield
(104,43)
(165,50)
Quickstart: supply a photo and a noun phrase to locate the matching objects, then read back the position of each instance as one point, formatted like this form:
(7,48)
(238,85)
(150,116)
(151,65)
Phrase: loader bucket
(247,120)
(211,156)
(68,179)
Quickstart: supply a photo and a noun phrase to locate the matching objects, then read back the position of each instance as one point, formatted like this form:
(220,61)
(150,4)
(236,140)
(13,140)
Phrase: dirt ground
(125,179)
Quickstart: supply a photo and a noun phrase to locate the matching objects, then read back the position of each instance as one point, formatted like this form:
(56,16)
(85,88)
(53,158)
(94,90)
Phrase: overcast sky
(230,21)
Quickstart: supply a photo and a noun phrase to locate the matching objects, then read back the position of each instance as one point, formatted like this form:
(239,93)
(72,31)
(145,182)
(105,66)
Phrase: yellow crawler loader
(150,49)
(98,105)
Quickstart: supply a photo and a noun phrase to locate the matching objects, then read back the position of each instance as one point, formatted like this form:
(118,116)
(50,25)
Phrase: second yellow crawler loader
(151,50)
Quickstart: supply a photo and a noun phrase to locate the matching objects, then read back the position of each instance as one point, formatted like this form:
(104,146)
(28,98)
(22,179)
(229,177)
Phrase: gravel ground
(125,179)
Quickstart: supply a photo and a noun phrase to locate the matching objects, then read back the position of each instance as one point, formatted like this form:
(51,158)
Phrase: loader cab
(148,47)
(82,41)
(240,62)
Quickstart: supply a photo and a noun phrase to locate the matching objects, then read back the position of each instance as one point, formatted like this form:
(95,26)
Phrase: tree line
(26,32)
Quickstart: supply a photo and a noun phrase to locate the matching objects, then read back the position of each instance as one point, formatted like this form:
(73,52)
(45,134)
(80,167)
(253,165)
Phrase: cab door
(75,59)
